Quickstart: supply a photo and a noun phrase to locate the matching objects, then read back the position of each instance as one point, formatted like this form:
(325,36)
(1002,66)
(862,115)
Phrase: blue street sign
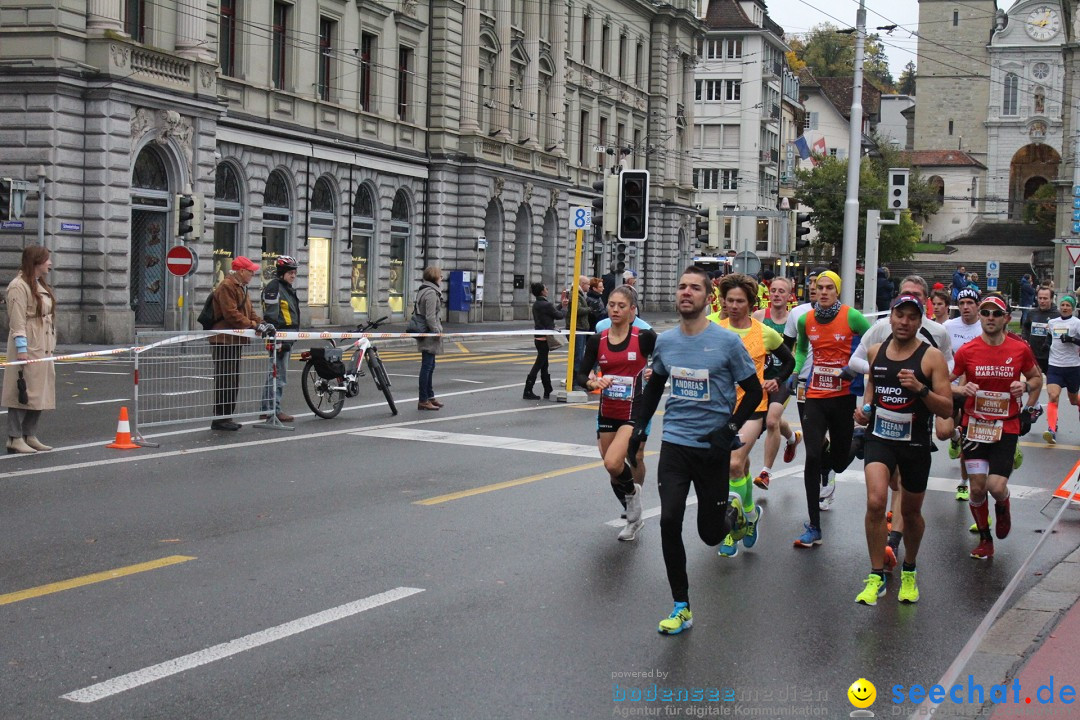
(12,225)
(991,283)
(1076,214)
(77,227)
(1076,228)
(1076,190)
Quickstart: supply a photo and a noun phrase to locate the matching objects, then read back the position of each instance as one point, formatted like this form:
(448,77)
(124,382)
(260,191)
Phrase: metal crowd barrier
(184,379)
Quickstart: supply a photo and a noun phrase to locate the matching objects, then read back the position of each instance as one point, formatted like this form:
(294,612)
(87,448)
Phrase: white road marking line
(102,402)
(132,680)
(100,372)
(475,382)
(486,441)
(401,375)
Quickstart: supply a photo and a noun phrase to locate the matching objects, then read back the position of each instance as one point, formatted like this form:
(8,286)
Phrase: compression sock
(745,490)
(895,536)
(1051,416)
(908,567)
(981,513)
(625,483)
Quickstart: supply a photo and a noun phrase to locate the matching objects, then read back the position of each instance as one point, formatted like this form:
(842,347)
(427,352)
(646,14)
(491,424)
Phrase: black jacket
(545,314)
(1040,344)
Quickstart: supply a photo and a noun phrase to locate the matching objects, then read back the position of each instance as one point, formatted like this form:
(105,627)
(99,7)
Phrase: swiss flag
(818,148)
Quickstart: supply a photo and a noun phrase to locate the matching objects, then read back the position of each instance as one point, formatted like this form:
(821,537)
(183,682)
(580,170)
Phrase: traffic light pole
(851,204)
(569,394)
(873,235)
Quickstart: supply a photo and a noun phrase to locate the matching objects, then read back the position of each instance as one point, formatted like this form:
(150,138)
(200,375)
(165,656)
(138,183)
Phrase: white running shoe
(826,492)
(630,530)
(633,505)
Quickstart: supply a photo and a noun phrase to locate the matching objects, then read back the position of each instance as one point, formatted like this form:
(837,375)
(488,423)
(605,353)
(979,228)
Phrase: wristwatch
(924,392)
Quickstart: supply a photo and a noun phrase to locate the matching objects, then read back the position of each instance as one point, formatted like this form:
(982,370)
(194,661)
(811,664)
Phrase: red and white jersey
(626,368)
(993,368)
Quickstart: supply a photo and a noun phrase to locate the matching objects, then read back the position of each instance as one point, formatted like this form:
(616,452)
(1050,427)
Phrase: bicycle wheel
(378,374)
(323,401)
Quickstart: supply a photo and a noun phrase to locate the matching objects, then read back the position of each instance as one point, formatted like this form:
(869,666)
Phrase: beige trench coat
(23,319)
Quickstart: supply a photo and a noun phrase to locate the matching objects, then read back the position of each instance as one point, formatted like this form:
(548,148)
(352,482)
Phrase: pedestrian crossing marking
(499,443)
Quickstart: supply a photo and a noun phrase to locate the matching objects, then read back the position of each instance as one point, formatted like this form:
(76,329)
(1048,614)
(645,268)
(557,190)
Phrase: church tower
(953,76)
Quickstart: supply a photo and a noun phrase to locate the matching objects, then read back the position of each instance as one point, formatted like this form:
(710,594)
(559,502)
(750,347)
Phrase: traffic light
(708,227)
(798,229)
(598,204)
(609,186)
(620,257)
(183,215)
(5,199)
(898,189)
(633,205)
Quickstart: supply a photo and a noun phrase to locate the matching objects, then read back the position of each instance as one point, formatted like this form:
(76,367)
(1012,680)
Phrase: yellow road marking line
(461,347)
(91,579)
(1045,446)
(513,483)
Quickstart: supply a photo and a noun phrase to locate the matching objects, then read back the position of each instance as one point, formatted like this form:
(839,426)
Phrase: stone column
(104,15)
(470,70)
(191,40)
(501,113)
(558,85)
(531,91)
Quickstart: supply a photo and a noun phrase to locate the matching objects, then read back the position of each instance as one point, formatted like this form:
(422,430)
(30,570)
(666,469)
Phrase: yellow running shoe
(875,588)
(680,619)
(909,591)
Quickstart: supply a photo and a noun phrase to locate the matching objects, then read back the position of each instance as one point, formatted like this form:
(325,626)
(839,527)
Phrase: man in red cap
(233,306)
(994,370)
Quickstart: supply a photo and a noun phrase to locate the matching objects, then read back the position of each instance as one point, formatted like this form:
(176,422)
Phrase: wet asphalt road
(529,607)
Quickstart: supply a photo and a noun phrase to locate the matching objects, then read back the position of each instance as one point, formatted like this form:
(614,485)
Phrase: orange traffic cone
(123,433)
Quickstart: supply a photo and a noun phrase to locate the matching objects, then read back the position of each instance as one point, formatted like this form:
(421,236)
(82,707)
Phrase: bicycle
(327,379)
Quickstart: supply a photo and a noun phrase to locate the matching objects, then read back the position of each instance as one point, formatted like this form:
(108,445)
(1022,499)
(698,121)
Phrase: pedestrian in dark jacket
(429,305)
(611,281)
(582,318)
(959,281)
(281,308)
(885,289)
(1027,295)
(544,316)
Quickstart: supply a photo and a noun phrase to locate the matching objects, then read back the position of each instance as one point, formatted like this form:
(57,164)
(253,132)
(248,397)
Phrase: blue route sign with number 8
(580,217)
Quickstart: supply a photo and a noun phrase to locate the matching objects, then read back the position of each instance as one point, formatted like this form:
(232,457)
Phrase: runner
(1064,363)
(830,330)
(1034,326)
(909,380)
(930,332)
(701,421)
(940,303)
(622,353)
(761,342)
(994,370)
(962,329)
(775,316)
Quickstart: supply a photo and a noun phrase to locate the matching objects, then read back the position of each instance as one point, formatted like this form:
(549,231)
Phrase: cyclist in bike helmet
(281,308)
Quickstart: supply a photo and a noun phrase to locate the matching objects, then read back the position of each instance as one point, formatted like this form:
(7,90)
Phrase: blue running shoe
(737,524)
(810,538)
(728,548)
(680,619)
(752,529)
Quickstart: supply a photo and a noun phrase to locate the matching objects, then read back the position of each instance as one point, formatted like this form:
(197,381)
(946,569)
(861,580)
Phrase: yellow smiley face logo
(862,693)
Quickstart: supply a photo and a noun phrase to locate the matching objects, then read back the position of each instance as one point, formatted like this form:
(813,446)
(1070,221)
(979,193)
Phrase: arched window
(400,226)
(363,231)
(1009,105)
(938,185)
(150,172)
(277,221)
(228,211)
(151,230)
(321,223)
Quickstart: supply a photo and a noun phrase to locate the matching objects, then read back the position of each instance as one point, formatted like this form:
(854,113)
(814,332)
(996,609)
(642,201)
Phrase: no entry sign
(181,260)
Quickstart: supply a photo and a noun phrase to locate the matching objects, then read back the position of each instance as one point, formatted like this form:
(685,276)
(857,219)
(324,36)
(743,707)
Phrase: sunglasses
(992,313)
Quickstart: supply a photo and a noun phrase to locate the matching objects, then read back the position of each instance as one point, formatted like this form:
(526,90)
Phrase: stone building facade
(326,131)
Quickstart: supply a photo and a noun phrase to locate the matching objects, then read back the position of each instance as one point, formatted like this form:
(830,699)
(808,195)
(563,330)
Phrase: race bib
(984,431)
(1038,329)
(621,388)
(690,384)
(889,425)
(1061,331)
(992,404)
(800,391)
(825,378)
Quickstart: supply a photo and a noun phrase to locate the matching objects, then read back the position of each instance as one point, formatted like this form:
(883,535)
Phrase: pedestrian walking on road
(544,316)
(281,308)
(429,305)
(30,389)
(233,308)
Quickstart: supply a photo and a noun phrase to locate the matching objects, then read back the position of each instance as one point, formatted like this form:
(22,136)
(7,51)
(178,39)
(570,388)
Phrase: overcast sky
(798,16)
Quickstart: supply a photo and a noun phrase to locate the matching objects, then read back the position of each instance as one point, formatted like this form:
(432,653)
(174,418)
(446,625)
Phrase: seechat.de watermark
(973,693)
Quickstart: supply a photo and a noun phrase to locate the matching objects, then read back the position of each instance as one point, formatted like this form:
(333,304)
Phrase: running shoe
(875,588)
(752,529)
(736,518)
(633,505)
(728,548)
(1018,457)
(1050,437)
(789,448)
(962,493)
(989,524)
(954,448)
(762,480)
(1004,519)
(827,490)
(984,550)
(680,619)
(810,538)
(630,530)
(890,559)
(909,591)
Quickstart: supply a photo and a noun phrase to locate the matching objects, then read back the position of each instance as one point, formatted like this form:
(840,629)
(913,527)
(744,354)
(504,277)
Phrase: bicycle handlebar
(372,325)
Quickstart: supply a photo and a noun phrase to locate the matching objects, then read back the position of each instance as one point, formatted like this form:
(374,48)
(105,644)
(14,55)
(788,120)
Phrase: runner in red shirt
(994,370)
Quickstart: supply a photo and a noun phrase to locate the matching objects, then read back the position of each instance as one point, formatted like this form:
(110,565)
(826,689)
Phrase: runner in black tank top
(908,382)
